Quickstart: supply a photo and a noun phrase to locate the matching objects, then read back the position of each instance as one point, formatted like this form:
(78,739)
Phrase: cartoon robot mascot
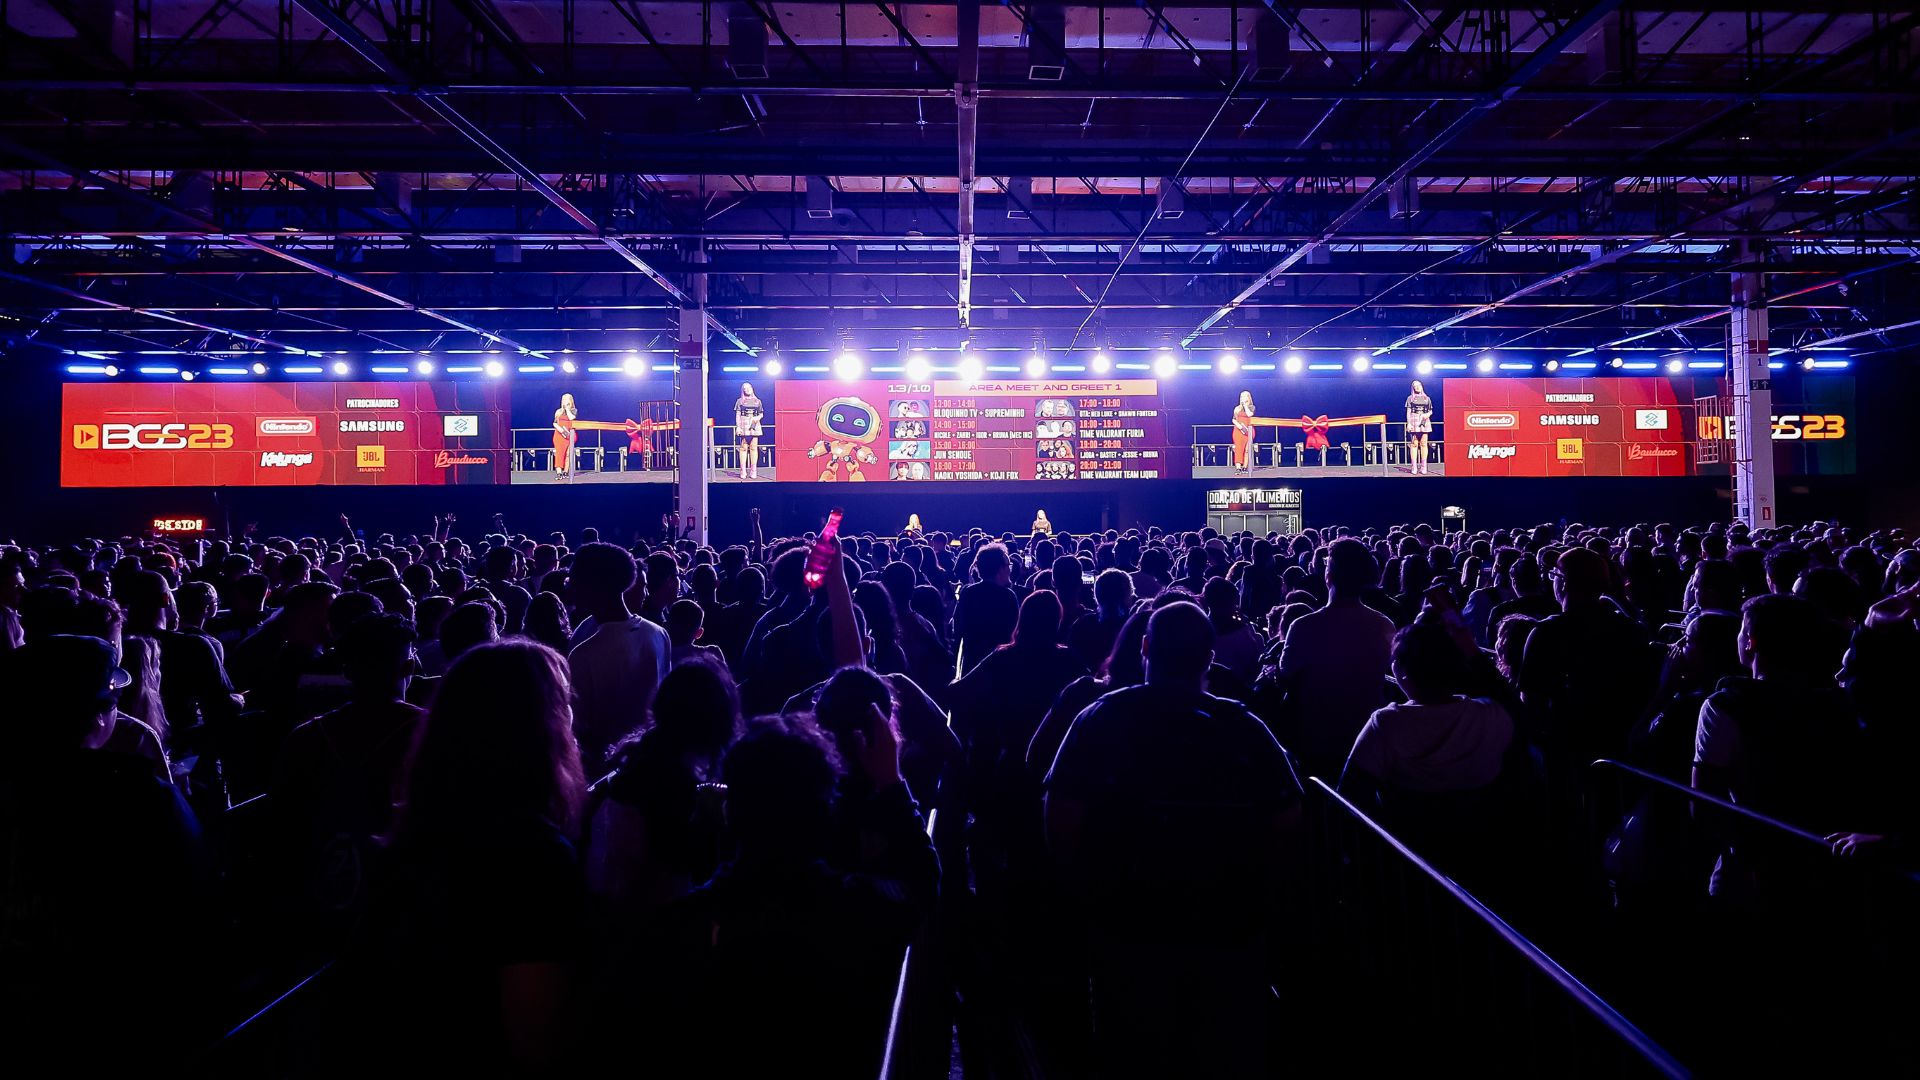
(847,425)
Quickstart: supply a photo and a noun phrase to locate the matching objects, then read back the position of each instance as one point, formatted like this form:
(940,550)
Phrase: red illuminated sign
(180,525)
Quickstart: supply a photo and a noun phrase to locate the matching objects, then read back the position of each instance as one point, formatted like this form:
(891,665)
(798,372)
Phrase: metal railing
(1465,990)
(916,1045)
(1378,448)
(1792,943)
(531,450)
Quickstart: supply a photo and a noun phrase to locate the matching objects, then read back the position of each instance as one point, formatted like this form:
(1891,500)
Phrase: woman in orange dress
(1243,432)
(565,438)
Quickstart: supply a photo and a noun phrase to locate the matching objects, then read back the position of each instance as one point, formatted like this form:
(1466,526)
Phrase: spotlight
(1165,365)
(1293,365)
(1362,364)
(1805,365)
(1102,363)
(1228,364)
(568,367)
(1617,361)
(340,367)
(1036,367)
(112,370)
(919,368)
(186,376)
(1424,367)
(846,366)
(772,366)
(1484,365)
(495,369)
(423,366)
(259,368)
(633,366)
(1675,367)
(1553,365)
(972,368)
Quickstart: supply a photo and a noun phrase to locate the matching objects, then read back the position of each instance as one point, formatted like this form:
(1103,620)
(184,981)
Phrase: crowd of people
(545,800)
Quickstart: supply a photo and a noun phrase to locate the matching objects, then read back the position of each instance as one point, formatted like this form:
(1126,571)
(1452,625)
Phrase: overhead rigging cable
(1158,202)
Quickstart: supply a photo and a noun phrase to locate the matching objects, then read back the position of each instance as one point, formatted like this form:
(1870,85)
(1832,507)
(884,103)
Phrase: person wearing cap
(102,864)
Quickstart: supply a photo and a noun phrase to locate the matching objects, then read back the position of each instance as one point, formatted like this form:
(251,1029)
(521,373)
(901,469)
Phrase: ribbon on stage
(637,430)
(1316,427)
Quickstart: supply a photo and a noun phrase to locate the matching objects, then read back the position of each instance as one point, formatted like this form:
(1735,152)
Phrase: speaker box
(746,45)
(1046,43)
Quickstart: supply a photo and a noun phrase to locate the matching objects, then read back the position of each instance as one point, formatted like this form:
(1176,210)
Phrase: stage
(1314,472)
(545,478)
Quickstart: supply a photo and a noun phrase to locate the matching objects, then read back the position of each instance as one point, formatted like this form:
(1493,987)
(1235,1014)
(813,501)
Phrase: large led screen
(204,434)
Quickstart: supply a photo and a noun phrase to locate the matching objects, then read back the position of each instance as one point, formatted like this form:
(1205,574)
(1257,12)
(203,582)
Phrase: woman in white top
(1419,425)
(748,414)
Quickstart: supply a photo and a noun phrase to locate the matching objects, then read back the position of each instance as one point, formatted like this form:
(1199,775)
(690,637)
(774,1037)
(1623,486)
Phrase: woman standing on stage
(565,438)
(748,413)
(1243,432)
(1419,426)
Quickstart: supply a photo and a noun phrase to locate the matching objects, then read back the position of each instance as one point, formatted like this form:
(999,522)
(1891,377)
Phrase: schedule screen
(1039,429)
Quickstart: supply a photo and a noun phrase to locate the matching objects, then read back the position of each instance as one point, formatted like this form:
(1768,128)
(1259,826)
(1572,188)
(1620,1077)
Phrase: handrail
(1652,1052)
(900,987)
(240,1029)
(1744,813)
(1715,801)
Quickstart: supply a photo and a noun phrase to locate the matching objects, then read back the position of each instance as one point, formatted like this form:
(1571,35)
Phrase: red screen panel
(1567,427)
(206,434)
(994,429)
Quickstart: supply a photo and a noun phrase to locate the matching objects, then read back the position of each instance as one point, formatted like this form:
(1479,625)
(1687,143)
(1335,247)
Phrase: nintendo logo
(1477,451)
(1493,420)
(288,425)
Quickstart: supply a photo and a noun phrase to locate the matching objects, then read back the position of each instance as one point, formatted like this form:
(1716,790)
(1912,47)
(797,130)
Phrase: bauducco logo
(1480,450)
(1492,420)
(1636,452)
(445,460)
(288,425)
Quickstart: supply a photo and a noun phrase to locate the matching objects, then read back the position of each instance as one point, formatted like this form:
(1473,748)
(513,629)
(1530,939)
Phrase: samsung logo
(372,425)
(1569,420)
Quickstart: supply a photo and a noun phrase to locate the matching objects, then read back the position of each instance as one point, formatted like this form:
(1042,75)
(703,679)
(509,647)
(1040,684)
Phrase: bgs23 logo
(152,436)
(1787,427)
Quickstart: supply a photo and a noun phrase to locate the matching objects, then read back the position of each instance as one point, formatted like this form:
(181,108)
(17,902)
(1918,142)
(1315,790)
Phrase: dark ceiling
(275,176)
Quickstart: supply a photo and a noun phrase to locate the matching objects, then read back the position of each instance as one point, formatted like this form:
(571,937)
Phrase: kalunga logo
(1481,450)
(274,459)
(1492,420)
(288,425)
(445,460)
(1637,452)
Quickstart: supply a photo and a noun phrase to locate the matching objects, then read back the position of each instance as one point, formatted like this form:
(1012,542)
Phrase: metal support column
(695,458)
(1751,387)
